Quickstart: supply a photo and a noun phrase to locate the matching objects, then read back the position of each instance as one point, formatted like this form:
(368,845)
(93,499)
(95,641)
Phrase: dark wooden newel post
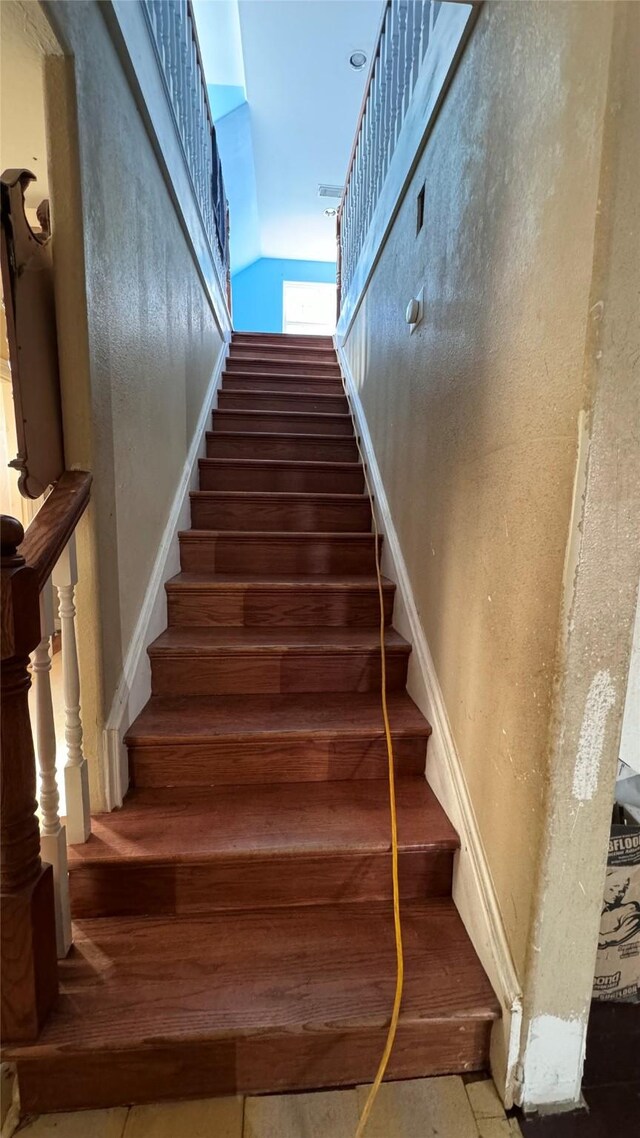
(29,966)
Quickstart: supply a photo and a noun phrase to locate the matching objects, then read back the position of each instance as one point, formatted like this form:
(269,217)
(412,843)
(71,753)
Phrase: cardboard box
(618,962)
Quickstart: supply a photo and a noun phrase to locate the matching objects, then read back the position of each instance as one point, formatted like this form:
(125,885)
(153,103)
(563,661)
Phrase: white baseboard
(473,889)
(134,687)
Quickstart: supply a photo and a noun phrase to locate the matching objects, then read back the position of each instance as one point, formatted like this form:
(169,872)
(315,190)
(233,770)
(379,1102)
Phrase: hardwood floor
(234,929)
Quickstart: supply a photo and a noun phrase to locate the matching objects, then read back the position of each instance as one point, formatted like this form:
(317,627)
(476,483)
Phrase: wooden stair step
(253,511)
(243,551)
(190,850)
(282,364)
(257,400)
(240,381)
(228,661)
(300,380)
(283,422)
(288,475)
(237,600)
(307,351)
(282,340)
(158,1008)
(199,741)
(271,360)
(321,448)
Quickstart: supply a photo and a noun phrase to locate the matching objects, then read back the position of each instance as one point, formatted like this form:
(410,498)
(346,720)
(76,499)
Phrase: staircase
(233,921)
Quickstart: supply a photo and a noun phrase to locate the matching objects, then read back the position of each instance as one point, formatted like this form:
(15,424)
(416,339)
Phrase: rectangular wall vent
(330,191)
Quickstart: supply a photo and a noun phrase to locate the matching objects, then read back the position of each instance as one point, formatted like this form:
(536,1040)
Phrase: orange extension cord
(391,1034)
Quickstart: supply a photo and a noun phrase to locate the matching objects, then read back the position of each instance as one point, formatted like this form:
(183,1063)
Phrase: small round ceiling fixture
(358,60)
(331,211)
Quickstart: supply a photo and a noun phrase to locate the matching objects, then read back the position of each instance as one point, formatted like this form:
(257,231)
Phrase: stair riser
(277,447)
(260,673)
(251,1064)
(241,382)
(295,355)
(233,883)
(295,607)
(281,366)
(277,555)
(274,401)
(304,516)
(224,763)
(283,479)
(283,423)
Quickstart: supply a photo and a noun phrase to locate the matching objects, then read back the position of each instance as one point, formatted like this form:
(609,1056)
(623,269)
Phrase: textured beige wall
(601,588)
(475,417)
(139,354)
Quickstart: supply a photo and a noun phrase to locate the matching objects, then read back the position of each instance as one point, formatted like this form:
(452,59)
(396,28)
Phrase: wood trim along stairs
(234,927)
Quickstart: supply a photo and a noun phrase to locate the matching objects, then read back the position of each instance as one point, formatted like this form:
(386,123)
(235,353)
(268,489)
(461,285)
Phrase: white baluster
(76,775)
(417,34)
(174,61)
(384,106)
(401,50)
(53,838)
(389,67)
(408,56)
(426,25)
(366,118)
(371,168)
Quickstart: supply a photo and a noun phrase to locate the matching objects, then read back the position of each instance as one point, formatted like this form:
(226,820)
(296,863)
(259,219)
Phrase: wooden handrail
(55,522)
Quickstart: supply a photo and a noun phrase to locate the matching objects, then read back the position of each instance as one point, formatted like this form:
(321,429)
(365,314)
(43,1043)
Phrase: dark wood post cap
(12,535)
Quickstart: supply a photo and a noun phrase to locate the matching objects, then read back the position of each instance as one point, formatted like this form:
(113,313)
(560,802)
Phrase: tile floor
(421,1108)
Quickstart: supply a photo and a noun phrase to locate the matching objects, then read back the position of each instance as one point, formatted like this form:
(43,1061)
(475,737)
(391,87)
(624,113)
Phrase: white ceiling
(304,101)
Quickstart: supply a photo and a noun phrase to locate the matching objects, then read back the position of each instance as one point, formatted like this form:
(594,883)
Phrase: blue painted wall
(257,290)
(224,98)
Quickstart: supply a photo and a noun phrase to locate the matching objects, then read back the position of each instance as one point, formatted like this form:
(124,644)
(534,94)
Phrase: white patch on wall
(553,1061)
(600,699)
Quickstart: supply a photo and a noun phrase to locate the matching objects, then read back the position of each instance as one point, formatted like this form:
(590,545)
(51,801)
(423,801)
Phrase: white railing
(418,44)
(173,34)
(53,835)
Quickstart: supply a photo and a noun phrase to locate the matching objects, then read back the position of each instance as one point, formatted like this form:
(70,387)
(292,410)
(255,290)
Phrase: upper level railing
(418,45)
(174,36)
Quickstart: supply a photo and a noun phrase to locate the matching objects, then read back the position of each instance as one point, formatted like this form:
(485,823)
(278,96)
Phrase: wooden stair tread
(273,581)
(248,392)
(137,981)
(287,535)
(263,496)
(301,356)
(258,415)
(236,381)
(333,379)
(280,435)
(294,819)
(281,463)
(284,337)
(254,353)
(178,719)
(211,641)
(295,351)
